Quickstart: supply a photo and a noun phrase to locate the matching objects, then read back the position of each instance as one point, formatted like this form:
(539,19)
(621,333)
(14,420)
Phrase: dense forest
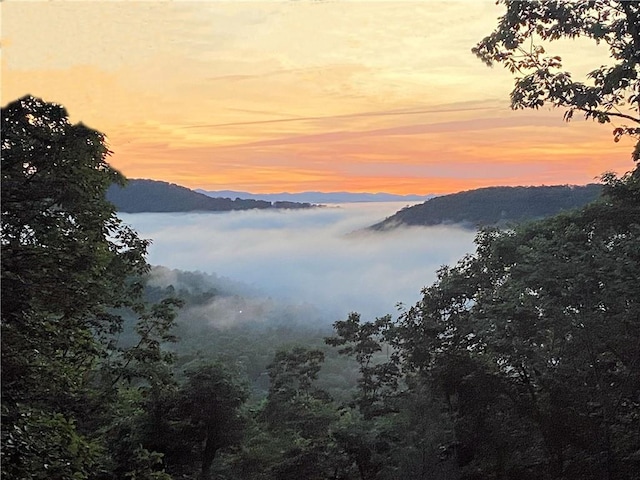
(521,361)
(140,195)
(493,206)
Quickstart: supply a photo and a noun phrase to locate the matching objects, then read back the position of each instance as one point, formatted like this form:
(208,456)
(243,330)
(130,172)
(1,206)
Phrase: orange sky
(268,96)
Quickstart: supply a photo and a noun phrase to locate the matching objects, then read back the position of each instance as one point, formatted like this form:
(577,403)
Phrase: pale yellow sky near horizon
(269,96)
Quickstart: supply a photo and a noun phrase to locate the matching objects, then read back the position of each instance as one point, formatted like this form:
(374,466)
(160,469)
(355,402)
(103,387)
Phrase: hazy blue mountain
(493,206)
(140,195)
(318,197)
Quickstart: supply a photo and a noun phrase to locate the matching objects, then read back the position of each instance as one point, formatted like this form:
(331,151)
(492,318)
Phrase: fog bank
(308,256)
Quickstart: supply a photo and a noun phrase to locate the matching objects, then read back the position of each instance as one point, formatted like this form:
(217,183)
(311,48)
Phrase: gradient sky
(268,96)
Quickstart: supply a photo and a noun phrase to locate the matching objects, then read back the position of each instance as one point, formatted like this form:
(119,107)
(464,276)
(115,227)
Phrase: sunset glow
(357,96)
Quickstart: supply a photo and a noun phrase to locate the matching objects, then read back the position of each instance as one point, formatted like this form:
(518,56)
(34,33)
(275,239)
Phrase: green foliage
(68,264)
(145,466)
(397,428)
(42,446)
(294,405)
(609,93)
(292,374)
(379,381)
(211,399)
(291,431)
(65,254)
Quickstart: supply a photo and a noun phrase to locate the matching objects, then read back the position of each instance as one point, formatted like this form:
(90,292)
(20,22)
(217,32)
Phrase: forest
(521,361)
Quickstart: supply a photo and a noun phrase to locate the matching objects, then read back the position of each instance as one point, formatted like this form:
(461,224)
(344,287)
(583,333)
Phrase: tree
(290,431)
(292,375)
(379,381)
(210,399)
(609,93)
(368,436)
(68,263)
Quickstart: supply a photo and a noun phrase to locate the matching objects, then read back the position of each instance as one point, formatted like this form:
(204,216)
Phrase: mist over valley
(301,263)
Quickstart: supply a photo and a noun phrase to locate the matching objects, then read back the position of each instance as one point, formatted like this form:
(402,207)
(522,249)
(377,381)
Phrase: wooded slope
(493,206)
(142,195)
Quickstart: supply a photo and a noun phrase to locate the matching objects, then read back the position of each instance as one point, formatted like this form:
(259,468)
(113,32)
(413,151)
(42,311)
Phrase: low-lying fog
(308,256)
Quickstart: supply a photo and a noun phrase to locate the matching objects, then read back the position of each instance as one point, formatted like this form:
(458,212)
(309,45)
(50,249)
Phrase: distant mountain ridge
(142,195)
(318,197)
(497,206)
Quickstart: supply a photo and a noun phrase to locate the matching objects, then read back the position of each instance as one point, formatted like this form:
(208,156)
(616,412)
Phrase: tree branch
(632,22)
(610,114)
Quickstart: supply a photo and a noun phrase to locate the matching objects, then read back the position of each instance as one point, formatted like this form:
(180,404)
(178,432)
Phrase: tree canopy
(609,94)
(68,265)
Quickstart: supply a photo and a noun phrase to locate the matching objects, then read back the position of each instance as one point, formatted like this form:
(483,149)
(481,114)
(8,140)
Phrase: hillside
(493,206)
(141,195)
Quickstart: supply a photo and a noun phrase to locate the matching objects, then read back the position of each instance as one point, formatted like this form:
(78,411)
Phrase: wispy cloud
(329,118)
(489,123)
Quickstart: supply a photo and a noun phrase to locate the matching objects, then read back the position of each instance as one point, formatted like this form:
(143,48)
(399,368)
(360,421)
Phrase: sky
(306,258)
(300,95)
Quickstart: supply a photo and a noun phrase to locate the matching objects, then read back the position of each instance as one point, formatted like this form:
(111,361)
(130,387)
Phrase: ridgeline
(493,206)
(142,195)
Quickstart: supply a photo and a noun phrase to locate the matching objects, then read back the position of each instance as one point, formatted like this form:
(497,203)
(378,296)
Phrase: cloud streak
(388,113)
(476,124)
